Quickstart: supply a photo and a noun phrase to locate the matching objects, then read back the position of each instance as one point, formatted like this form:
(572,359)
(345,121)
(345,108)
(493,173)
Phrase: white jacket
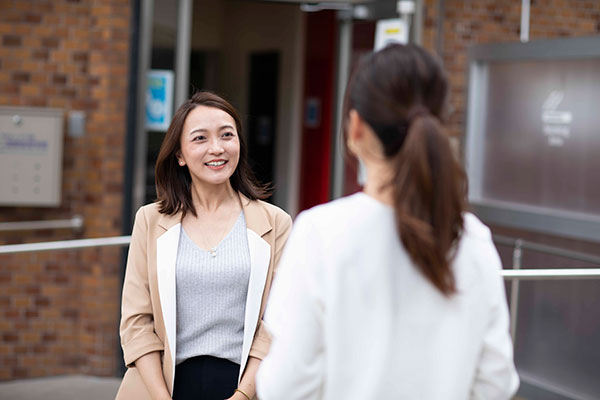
(353,318)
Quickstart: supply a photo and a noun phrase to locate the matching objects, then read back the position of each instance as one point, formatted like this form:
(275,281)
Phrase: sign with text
(390,31)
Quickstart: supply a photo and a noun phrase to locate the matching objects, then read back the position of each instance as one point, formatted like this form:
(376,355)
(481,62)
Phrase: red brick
(10,338)
(59,79)
(11,40)
(40,54)
(49,337)
(41,301)
(50,42)
(19,373)
(33,18)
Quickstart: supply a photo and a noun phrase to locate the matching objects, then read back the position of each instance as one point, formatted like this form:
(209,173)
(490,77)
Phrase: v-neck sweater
(211,296)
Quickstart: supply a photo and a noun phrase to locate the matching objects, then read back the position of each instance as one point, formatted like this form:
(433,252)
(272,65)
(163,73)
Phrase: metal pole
(145,52)
(439,45)
(514,291)
(343,71)
(406,10)
(182,50)
(525,17)
(417,27)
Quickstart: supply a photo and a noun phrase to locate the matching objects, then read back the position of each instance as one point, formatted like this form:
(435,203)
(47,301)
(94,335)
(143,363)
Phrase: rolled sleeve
(261,343)
(137,321)
(144,344)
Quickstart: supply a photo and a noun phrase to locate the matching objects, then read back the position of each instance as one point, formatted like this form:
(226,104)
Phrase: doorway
(262,113)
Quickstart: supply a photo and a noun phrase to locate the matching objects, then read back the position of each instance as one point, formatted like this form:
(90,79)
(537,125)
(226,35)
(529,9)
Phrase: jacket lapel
(166,256)
(257,225)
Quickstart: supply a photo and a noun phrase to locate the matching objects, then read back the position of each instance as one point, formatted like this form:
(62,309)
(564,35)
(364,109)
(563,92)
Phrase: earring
(351,146)
(181,163)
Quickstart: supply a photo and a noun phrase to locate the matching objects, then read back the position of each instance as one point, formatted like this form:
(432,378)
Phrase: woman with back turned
(394,292)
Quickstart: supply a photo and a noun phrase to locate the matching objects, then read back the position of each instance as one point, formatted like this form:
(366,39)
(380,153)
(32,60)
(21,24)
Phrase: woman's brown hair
(400,92)
(173,182)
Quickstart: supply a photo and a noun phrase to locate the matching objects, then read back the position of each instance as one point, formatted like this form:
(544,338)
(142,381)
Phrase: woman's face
(210,145)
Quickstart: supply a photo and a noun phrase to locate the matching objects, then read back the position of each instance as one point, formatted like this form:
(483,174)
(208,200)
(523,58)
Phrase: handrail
(551,274)
(65,244)
(508,274)
(543,248)
(75,223)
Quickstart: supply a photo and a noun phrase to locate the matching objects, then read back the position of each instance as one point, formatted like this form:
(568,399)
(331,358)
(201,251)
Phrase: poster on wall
(159,99)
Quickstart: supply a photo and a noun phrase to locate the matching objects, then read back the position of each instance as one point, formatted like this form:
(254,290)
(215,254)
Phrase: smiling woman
(210,146)
(173,183)
(200,264)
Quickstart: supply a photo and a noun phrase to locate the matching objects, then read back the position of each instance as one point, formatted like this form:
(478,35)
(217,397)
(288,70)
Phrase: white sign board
(31,148)
(159,99)
(390,31)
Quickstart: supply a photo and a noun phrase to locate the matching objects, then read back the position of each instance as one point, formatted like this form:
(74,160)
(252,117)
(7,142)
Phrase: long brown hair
(173,182)
(400,92)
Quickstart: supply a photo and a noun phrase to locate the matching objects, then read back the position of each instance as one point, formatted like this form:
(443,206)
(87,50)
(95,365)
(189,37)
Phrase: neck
(379,175)
(209,198)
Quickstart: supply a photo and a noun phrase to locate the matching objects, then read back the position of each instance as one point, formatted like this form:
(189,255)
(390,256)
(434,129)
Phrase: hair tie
(415,113)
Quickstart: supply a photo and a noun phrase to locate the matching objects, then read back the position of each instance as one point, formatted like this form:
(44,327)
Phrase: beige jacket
(148,306)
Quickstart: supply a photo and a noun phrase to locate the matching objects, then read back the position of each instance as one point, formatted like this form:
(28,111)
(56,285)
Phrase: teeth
(215,163)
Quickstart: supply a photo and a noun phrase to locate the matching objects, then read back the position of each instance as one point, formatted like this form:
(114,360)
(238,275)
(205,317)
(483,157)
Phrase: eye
(228,135)
(198,138)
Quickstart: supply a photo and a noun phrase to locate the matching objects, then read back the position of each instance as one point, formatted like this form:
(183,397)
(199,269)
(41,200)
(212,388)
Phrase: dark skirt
(205,378)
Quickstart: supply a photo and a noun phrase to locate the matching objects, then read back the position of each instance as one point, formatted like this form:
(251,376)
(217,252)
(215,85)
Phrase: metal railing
(75,223)
(544,248)
(515,275)
(65,244)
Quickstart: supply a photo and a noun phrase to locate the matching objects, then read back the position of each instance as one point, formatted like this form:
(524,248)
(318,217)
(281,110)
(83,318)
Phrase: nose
(215,147)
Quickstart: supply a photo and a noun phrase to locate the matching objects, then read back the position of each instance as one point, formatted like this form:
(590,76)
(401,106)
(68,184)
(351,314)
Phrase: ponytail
(400,92)
(429,187)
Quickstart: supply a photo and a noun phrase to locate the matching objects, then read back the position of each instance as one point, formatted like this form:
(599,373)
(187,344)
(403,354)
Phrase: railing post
(514,289)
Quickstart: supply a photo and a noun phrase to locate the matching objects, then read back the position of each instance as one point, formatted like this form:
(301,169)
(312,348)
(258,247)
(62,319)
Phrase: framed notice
(31,148)
(159,99)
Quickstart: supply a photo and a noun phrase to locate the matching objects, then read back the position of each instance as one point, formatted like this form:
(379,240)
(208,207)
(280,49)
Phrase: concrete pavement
(68,387)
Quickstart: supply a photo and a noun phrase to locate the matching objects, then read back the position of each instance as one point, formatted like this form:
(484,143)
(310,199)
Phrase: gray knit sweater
(211,296)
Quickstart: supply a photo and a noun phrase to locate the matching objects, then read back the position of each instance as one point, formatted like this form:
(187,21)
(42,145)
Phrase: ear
(355,131)
(179,158)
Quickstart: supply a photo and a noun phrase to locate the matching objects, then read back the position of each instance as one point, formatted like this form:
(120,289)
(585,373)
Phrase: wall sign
(159,99)
(390,31)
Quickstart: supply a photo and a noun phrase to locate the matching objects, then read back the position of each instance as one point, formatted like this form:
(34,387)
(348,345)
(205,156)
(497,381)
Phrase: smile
(218,163)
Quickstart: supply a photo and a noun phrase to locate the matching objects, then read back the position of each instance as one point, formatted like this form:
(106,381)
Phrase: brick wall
(59,310)
(469,22)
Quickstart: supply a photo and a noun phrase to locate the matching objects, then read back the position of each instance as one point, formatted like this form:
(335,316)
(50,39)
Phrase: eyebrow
(206,130)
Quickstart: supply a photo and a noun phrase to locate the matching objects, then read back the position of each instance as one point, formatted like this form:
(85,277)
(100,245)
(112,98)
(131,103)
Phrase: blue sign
(159,99)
